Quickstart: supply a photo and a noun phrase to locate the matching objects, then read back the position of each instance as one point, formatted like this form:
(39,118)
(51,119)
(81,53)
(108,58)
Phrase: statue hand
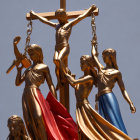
(94,42)
(32,13)
(93,7)
(132,108)
(16,40)
(20,68)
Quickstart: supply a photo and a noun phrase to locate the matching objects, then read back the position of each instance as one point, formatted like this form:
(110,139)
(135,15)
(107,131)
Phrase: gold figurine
(62,49)
(91,124)
(20,58)
(34,76)
(107,77)
(17,129)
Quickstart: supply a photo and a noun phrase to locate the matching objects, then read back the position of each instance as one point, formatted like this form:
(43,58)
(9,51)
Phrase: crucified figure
(63,31)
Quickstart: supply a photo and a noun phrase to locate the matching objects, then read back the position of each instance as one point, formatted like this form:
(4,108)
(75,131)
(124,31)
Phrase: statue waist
(60,46)
(102,92)
(80,102)
(31,86)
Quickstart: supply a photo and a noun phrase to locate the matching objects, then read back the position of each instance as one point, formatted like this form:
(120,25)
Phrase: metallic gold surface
(70,14)
(109,75)
(62,49)
(20,58)
(91,124)
(34,77)
(17,129)
(63,4)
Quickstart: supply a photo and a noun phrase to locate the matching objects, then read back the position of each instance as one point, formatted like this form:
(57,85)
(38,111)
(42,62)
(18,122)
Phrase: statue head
(109,57)
(35,53)
(61,15)
(84,62)
(87,63)
(16,128)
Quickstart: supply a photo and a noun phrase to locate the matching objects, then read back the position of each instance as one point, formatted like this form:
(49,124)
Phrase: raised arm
(81,17)
(124,93)
(49,81)
(94,56)
(42,19)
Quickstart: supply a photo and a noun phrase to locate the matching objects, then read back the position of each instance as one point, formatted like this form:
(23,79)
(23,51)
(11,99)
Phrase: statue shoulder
(43,67)
(117,73)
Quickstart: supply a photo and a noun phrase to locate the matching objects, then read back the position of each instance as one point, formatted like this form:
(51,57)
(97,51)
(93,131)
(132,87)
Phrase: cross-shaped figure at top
(63,31)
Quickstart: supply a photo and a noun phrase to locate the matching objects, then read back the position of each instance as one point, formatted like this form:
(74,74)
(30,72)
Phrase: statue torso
(34,76)
(62,36)
(107,79)
(82,91)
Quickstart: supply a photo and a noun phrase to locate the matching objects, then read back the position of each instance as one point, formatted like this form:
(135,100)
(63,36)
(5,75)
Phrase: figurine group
(48,118)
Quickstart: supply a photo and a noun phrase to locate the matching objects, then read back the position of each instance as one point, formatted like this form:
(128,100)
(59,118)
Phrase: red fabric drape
(58,122)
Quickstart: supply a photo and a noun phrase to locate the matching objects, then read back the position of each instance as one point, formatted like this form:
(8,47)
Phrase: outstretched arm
(72,80)
(79,81)
(81,17)
(42,19)
(124,93)
(49,82)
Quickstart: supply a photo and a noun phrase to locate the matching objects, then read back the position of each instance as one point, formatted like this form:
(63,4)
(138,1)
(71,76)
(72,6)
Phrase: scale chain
(29,32)
(94,38)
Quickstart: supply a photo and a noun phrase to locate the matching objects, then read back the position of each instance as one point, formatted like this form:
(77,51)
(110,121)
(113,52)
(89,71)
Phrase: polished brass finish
(20,58)
(109,75)
(28,38)
(62,49)
(63,4)
(34,76)
(17,129)
(91,124)
(93,26)
(70,14)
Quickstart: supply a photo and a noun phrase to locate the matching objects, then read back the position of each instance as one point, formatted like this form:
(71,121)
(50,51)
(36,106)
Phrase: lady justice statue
(106,79)
(42,117)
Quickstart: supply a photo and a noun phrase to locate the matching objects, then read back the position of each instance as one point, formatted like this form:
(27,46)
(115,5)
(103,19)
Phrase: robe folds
(93,126)
(109,109)
(58,122)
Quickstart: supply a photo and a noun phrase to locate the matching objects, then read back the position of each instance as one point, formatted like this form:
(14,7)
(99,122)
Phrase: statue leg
(28,121)
(64,89)
(63,56)
(57,70)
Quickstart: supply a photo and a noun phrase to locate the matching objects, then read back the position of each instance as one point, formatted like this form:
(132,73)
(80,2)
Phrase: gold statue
(107,77)
(63,31)
(34,76)
(20,58)
(91,124)
(17,129)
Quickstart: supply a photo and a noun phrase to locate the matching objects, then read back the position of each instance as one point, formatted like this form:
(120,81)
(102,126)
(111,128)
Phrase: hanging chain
(94,38)
(29,32)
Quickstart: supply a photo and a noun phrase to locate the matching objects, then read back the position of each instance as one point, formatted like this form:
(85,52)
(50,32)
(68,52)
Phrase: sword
(20,58)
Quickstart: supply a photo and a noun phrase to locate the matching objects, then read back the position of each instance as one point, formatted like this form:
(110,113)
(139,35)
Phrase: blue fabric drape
(109,109)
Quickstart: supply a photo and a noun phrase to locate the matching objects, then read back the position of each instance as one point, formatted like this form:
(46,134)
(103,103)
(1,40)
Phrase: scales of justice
(48,118)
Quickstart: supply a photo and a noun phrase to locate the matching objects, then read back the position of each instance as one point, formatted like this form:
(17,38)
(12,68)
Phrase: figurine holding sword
(20,58)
